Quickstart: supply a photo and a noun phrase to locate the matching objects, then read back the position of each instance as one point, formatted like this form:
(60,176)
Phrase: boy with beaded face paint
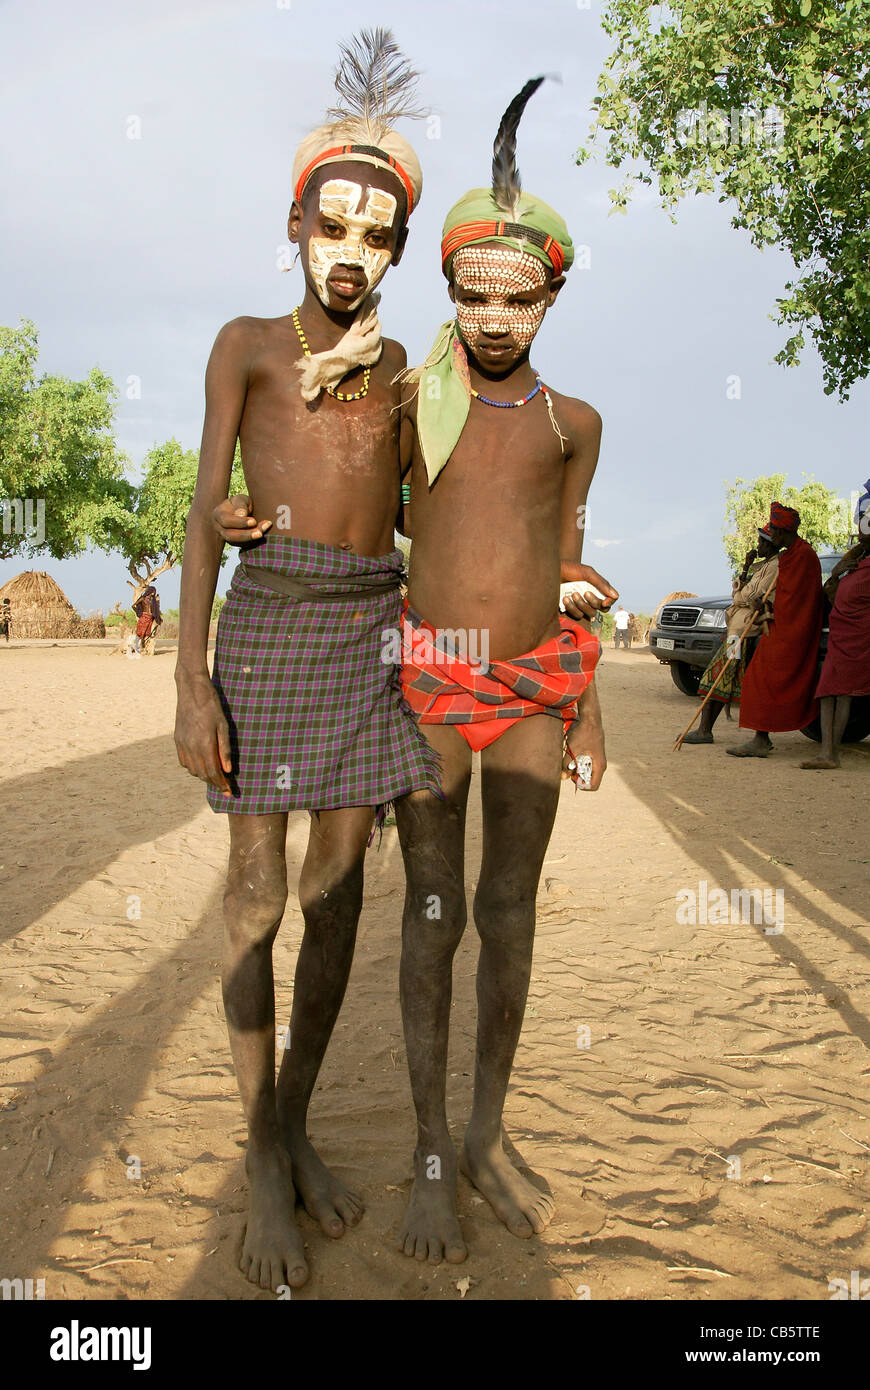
(300,711)
(500,469)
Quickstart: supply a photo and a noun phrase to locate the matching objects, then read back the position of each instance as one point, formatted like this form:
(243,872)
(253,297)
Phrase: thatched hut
(39,608)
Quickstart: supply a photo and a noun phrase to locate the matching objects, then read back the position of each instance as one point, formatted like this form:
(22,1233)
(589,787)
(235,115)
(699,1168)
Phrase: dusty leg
(709,715)
(520,796)
(841,719)
(254,899)
(704,732)
(834,716)
(432,835)
(330,895)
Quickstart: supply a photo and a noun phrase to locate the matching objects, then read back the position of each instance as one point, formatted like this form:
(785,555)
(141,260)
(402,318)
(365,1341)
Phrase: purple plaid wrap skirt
(311,689)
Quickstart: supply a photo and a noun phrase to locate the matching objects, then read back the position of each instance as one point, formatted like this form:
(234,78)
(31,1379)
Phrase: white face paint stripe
(340,200)
(343,198)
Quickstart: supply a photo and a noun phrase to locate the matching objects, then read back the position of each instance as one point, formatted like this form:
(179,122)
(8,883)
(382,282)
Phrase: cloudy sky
(131,253)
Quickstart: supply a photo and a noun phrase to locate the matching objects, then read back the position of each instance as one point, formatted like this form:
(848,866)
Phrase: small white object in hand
(579,586)
(583,768)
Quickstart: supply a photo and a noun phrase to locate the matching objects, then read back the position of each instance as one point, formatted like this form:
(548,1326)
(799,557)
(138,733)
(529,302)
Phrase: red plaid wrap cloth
(483,698)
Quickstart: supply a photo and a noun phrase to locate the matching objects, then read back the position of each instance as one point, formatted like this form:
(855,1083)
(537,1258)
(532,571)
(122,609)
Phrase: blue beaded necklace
(511,405)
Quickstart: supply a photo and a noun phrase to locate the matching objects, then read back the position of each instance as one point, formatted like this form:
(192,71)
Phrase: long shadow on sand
(690,793)
(94,1076)
(96,809)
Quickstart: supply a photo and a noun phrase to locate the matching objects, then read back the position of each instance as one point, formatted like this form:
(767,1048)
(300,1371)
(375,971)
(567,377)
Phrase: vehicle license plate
(665,643)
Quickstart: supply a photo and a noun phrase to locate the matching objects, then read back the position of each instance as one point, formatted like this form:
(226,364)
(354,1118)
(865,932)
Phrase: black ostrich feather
(506,183)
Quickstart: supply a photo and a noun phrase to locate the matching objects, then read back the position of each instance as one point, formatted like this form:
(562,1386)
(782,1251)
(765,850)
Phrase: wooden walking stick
(747,632)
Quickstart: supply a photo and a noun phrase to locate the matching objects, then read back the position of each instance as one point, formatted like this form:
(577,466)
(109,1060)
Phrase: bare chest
(348,436)
(507,462)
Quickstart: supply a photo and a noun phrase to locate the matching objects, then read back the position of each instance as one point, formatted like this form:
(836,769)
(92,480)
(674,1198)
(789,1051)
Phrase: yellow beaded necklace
(338,395)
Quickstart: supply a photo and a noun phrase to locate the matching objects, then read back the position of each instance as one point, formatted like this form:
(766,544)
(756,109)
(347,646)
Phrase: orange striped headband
(469,232)
(372,154)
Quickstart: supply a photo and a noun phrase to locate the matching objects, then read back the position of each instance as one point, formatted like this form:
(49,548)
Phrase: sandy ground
(711,1141)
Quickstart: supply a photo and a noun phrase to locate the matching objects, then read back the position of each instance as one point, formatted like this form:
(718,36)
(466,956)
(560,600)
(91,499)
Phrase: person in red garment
(779,690)
(148,618)
(846,672)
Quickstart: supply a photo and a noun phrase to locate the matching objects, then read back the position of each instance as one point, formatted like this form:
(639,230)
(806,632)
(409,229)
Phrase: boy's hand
(234,523)
(582,605)
(586,738)
(202,737)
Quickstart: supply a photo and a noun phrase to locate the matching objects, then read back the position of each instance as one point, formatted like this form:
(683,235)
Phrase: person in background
(148,618)
(846,672)
(779,686)
(621,624)
(727,666)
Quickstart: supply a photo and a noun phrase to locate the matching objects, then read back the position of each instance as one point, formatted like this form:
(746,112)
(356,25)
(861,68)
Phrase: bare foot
(821,764)
(755,748)
(323,1196)
(273,1252)
(523,1209)
(430,1230)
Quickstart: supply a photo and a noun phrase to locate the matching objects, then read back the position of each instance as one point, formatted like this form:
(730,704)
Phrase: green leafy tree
(57,447)
(62,481)
(767,104)
(825,517)
(152,538)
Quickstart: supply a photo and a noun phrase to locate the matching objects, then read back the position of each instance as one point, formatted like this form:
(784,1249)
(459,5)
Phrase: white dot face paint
(487,280)
(340,202)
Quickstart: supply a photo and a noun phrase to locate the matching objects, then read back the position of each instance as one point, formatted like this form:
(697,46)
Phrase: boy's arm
(201,733)
(586,735)
(406,459)
(584,433)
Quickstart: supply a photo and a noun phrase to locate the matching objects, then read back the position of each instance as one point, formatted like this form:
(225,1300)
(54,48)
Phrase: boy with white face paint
(300,711)
(500,470)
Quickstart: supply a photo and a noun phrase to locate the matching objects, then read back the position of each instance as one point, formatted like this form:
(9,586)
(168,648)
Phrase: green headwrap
(540,229)
(444,398)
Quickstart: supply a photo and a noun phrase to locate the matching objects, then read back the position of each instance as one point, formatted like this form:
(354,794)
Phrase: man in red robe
(779,688)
